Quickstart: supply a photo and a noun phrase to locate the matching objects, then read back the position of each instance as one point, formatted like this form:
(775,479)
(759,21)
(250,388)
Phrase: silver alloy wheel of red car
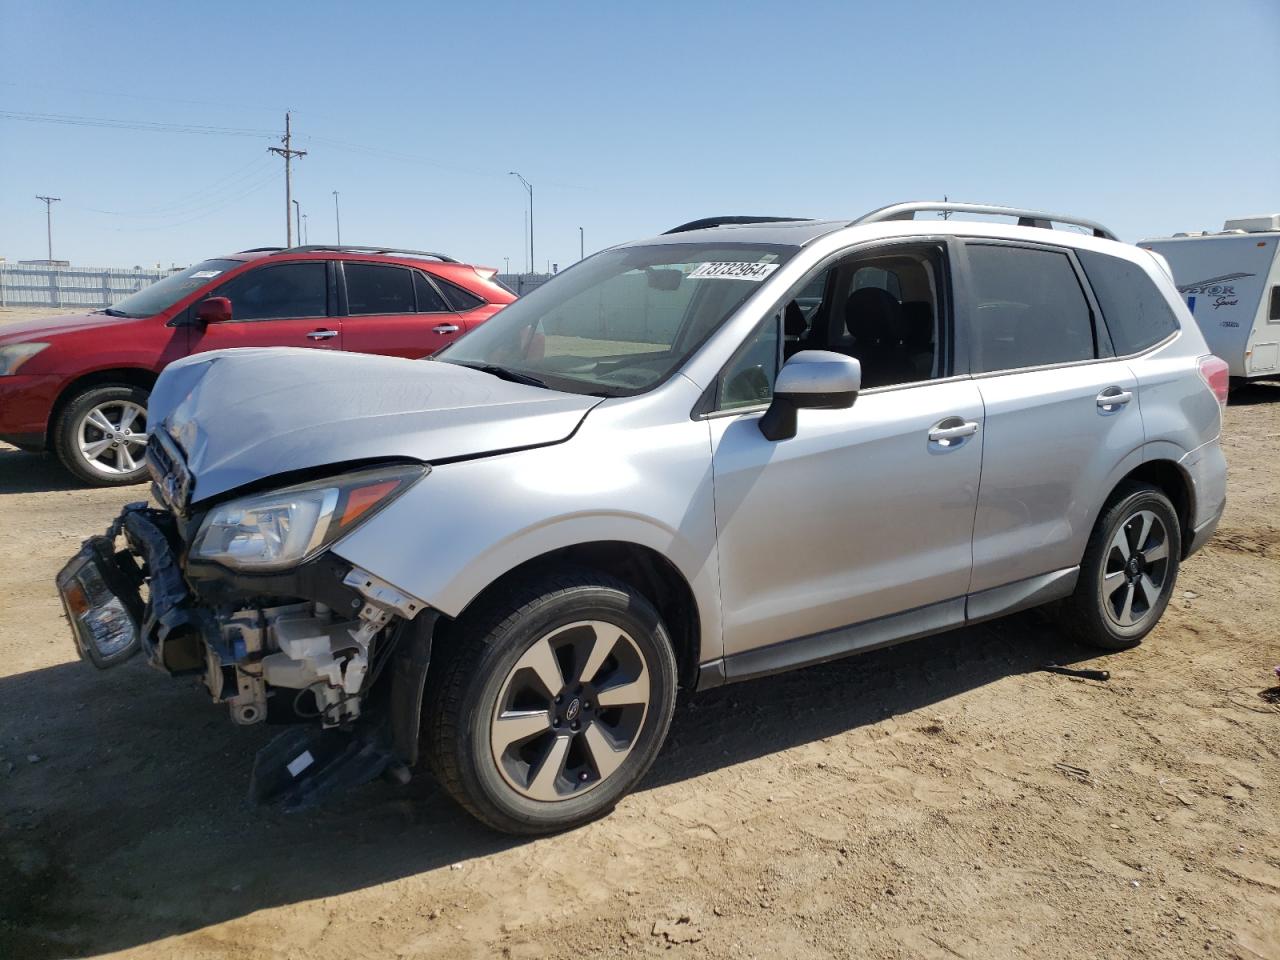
(112,437)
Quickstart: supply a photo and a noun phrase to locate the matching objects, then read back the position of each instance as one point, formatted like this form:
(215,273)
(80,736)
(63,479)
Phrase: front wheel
(101,435)
(550,702)
(1129,570)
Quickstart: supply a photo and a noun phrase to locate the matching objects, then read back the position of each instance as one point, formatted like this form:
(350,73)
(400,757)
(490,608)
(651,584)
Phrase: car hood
(242,415)
(44,328)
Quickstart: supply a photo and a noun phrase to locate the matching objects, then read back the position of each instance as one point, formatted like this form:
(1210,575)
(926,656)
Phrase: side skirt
(885,631)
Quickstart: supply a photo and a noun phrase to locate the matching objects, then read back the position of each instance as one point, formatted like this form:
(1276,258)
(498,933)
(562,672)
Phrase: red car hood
(43,328)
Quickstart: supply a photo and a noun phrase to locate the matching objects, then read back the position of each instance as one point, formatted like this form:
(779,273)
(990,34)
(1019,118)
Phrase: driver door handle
(322,334)
(445,328)
(951,431)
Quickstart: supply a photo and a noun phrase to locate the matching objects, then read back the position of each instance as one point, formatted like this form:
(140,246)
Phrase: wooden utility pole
(48,221)
(288,153)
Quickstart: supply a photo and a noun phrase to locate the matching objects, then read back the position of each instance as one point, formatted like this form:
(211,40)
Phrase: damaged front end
(246,595)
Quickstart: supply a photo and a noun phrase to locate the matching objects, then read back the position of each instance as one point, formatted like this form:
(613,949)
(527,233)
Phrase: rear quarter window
(459,299)
(1135,311)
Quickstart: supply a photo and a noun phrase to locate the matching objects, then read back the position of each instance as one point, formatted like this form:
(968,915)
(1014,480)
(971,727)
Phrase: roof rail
(706,222)
(334,248)
(260,250)
(1025,218)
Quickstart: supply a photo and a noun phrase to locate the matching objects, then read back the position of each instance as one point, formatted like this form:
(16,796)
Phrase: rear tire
(101,435)
(1129,570)
(550,701)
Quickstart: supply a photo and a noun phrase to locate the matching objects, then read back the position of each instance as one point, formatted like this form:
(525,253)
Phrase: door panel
(858,516)
(1052,447)
(397,312)
(275,305)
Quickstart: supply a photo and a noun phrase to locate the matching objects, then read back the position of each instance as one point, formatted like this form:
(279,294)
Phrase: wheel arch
(645,569)
(1169,477)
(130,376)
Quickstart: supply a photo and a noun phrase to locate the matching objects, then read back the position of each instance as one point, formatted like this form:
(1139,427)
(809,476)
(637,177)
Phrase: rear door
(1062,416)
(275,305)
(396,311)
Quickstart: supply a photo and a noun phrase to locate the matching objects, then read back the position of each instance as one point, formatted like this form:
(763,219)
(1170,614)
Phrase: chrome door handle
(1113,398)
(322,334)
(948,436)
(445,328)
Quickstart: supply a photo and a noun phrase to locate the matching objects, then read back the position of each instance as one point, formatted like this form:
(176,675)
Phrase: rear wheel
(101,435)
(1129,570)
(551,702)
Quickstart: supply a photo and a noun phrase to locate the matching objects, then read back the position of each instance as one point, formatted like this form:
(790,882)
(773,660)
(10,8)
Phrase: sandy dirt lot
(942,799)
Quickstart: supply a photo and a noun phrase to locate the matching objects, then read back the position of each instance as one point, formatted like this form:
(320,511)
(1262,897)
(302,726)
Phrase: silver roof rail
(1025,218)
(346,248)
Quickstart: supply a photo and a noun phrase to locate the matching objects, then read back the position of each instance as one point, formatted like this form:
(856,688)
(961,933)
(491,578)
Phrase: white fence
(39,285)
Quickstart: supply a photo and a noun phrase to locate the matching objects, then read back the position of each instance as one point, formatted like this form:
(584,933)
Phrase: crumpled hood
(244,414)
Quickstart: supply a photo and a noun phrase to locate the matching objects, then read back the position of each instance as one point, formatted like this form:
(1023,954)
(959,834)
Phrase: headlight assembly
(16,354)
(282,528)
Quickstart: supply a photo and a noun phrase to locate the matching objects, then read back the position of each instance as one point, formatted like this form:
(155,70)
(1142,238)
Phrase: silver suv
(738,448)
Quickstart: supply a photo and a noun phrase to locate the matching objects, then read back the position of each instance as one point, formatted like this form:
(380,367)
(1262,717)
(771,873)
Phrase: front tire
(1129,570)
(550,701)
(101,435)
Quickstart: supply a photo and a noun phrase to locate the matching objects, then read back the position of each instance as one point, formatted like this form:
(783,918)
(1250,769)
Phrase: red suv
(79,385)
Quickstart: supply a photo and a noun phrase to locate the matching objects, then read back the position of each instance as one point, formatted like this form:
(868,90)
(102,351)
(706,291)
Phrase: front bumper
(25,404)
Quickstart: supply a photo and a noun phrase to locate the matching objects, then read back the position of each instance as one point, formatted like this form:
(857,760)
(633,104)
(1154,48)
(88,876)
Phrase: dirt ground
(944,798)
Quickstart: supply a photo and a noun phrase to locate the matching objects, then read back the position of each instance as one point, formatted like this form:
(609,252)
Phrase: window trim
(329,304)
(706,408)
(1103,349)
(431,281)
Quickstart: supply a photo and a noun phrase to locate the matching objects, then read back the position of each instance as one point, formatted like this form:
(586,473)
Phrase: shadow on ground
(1254,393)
(22,472)
(132,825)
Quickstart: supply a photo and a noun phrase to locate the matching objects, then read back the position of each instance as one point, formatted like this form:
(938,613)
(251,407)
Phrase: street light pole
(507,261)
(533,263)
(337,220)
(297,218)
(48,221)
(581,245)
(304,228)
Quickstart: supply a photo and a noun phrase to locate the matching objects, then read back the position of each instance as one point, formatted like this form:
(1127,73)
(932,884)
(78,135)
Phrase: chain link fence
(40,285)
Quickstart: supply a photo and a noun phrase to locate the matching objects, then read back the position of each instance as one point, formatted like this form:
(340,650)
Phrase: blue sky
(627,118)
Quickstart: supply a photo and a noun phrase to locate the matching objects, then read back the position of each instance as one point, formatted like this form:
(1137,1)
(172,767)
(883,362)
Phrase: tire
(1121,595)
(499,741)
(77,433)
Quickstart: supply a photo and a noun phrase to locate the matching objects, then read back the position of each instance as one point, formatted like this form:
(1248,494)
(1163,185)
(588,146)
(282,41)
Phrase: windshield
(163,294)
(622,321)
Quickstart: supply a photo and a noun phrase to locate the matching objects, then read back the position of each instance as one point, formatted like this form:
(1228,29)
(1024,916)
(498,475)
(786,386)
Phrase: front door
(865,512)
(274,305)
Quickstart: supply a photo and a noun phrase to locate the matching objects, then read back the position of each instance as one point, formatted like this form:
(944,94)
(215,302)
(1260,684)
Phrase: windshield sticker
(205,274)
(733,270)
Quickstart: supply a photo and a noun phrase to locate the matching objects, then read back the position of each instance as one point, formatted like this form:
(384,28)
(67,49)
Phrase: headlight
(16,354)
(272,531)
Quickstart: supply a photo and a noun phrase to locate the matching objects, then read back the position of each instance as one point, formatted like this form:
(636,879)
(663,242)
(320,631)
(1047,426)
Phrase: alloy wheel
(570,711)
(112,437)
(1135,569)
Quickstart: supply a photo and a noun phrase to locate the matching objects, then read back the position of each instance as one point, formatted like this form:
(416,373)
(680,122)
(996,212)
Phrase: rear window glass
(1136,313)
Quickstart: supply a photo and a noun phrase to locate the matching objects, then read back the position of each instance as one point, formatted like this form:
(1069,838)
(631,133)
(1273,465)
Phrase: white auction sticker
(733,270)
(204,274)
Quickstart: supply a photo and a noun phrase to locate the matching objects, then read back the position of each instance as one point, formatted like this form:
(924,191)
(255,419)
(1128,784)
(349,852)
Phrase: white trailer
(1231,282)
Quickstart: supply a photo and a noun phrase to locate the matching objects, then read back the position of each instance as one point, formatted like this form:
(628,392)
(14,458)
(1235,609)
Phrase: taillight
(1214,372)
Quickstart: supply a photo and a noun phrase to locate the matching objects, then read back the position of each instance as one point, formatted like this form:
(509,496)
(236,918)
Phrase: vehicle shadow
(1254,393)
(22,472)
(131,826)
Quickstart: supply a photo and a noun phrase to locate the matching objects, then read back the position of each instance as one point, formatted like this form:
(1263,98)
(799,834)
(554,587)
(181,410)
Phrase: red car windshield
(163,294)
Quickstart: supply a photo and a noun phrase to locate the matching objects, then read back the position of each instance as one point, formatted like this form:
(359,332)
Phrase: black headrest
(793,321)
(917,323)
(872,314)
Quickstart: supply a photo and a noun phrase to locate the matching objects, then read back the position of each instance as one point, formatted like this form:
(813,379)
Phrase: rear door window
(1028,309)
(1136,313)
(375,288)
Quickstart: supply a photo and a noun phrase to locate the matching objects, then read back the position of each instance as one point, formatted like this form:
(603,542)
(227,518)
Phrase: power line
(154,126)
(273,177)
(213,192)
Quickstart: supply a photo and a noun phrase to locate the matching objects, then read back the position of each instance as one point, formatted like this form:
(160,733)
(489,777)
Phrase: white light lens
(16,354)
(267,532)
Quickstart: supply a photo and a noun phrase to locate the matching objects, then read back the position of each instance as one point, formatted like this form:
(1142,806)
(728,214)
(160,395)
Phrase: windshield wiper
(504,373)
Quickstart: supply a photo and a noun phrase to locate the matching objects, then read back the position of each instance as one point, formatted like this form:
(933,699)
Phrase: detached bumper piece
(101,591)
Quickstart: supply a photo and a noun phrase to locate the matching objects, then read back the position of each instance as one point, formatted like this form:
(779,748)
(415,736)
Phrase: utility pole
(581,245)
(48,221)
(337,220)
(297,219)
(288,153)
(533,263)
(946,214)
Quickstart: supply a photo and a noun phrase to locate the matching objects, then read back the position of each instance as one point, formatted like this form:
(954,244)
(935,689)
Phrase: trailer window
(1136,312)
(1273,315)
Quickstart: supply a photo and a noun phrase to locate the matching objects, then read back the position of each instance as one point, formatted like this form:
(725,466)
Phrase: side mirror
(812,379)
(213,310)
